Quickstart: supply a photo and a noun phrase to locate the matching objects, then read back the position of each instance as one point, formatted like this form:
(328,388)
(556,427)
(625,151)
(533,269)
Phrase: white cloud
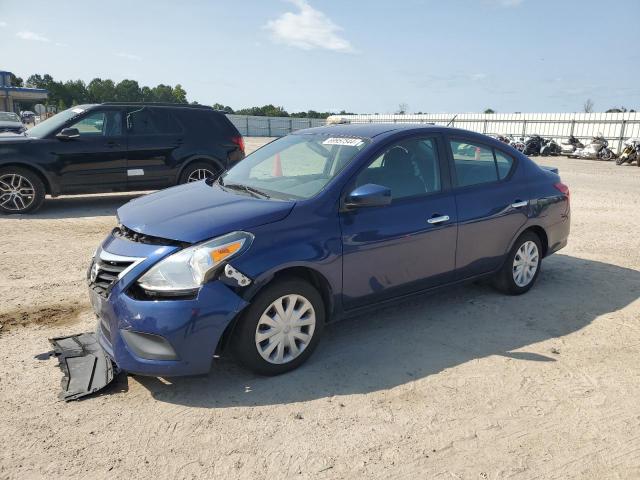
(26,35)
(128,56)
(308,29)
(59,44)
(478,76)
(4,24)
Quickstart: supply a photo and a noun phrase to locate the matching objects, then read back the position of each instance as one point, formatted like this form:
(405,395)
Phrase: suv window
(147,121)
(408,168)
(476,164)
(101,123)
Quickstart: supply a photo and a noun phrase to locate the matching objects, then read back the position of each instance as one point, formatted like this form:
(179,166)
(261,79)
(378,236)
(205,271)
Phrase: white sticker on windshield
(77,110)
(349,142)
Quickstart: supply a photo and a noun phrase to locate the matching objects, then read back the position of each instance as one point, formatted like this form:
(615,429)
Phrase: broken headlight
(185,271)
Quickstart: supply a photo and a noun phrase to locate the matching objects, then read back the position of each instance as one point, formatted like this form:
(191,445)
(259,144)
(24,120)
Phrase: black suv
(115,147)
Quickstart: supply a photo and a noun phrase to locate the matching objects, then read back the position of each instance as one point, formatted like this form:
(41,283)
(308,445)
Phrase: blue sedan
(312,227)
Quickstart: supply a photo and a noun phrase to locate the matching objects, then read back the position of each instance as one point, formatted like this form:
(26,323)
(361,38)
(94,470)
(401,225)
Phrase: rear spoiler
(551,169)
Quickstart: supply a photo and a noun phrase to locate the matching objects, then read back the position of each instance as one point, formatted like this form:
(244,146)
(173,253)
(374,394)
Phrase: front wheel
(280,328)
(21,190)
(522,266)
(606,154)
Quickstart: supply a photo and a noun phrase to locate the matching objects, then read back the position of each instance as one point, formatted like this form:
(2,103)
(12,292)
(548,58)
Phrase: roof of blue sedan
(367,130)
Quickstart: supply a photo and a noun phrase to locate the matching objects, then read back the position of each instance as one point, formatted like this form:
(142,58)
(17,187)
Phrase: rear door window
(474,163)
(152,121)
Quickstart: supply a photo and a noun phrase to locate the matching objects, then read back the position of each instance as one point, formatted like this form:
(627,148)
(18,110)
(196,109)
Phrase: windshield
(9,117)
(54,123)
(293,167)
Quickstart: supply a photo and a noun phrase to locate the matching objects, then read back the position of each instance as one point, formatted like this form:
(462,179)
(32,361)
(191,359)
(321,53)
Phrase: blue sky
(362,56)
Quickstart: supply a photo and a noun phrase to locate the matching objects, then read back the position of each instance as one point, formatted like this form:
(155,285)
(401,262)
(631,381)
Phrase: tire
(245,342)
(199,171)
(621,161)
(606,154)
(21,190)
(505,279)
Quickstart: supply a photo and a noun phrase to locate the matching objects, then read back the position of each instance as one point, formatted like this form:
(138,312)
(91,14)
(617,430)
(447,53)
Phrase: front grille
(104,273)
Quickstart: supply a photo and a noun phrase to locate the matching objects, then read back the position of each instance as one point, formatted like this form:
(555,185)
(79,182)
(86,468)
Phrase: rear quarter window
(208,122)
(504,162)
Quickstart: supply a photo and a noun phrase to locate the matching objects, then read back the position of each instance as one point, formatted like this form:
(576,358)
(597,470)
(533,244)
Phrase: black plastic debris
(85,366)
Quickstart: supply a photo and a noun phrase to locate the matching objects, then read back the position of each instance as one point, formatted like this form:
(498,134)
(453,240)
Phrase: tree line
(75,92)
(66,94)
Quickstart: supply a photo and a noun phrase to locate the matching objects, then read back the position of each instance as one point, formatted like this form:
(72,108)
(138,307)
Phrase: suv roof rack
(159,104)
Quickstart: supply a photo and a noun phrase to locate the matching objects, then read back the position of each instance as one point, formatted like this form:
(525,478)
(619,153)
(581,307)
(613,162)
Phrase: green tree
(489,110)
(163,93)
(179,94)
(99,91)
(15,81)
(128,91)
(222,108)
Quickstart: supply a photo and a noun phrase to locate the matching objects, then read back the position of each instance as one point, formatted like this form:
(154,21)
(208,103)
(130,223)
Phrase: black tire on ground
(32,202)
(607,154)
(504,280)
(243,340)
(621,161)
(195,166)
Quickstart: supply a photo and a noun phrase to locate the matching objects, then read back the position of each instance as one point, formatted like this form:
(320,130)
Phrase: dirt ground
(467,383)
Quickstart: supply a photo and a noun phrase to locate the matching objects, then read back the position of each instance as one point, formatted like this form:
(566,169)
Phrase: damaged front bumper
(85,365)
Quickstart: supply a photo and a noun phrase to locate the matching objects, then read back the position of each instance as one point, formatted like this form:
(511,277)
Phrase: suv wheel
(199,171)
(21,190)
(522,266)
(280,328)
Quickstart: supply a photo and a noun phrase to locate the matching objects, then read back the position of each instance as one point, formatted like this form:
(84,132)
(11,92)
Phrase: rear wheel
(199,171)
(21,190)
(522,266)
(280,328)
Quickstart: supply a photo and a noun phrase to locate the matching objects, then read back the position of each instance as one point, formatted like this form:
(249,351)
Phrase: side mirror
(369,195)
(68,133)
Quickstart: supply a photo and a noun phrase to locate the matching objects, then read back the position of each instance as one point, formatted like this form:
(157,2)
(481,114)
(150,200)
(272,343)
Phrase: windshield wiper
(251,190)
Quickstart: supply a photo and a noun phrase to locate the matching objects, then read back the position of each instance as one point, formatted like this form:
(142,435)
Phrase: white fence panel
(616,127)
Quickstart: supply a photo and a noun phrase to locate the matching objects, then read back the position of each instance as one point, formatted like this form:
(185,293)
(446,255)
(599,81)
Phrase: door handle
(519,204)
(438,219)
(113,144)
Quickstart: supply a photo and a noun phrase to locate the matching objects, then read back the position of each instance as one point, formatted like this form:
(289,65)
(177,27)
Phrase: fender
(51,186)
(199,158)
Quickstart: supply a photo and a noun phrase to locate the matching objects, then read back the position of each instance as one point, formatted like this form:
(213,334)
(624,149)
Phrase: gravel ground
(467,383)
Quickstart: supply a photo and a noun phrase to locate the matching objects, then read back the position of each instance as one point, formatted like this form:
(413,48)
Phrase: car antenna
(451,121)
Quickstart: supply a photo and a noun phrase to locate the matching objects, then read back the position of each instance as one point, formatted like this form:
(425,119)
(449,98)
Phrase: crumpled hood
(195,212)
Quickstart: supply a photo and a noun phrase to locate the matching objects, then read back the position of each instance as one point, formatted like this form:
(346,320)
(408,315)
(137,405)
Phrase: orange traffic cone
(277,167)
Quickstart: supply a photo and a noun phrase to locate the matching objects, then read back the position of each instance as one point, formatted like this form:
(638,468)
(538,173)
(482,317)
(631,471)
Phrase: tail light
(239,141)
(561,187)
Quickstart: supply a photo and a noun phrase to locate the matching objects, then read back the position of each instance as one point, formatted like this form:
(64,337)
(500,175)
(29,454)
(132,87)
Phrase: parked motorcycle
(518,143)
(598,149)
(549,147)
(532,145)
(569,146)
(630,152)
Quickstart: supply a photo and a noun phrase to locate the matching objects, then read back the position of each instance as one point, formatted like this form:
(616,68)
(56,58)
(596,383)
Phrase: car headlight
(186,270)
